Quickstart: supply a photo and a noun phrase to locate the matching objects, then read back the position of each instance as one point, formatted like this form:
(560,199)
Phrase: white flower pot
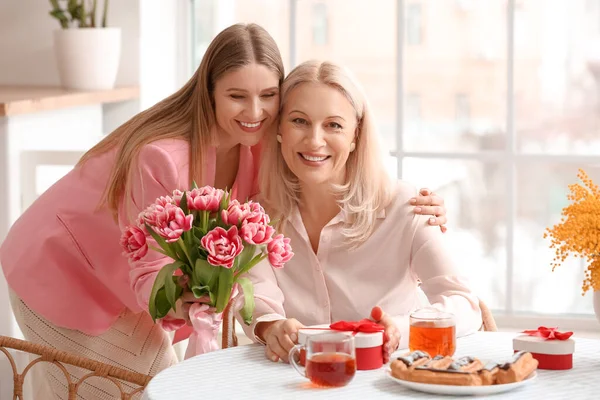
(597,304)
(88,58)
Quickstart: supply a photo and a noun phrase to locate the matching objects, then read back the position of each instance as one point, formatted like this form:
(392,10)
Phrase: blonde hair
(367,189)
(189,113)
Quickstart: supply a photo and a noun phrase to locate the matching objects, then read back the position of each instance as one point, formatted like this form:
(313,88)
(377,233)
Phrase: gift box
(368,341)
(553,349)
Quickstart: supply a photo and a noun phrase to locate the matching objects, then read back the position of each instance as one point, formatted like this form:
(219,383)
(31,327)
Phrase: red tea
(330,369)
(435,340)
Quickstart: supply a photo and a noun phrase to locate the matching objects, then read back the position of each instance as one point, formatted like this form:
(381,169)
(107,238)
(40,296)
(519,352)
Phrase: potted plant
(87,51)
(578,233)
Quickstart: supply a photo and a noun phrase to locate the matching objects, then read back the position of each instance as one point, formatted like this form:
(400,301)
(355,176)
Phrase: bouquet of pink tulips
(213,241)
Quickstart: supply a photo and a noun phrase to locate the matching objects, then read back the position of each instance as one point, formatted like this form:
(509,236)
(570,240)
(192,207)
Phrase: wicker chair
(96,368)
(489,324)
(228,336)
(58,358)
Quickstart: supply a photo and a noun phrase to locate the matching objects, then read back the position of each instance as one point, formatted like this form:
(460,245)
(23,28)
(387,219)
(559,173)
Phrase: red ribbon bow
(364,325)
(549,333)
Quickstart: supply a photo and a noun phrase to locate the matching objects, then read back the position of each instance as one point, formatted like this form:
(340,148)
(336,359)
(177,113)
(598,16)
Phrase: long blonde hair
(367,189)
(189,113)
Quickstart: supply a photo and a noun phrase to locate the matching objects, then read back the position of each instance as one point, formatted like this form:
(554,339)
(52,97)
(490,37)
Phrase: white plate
(460,390)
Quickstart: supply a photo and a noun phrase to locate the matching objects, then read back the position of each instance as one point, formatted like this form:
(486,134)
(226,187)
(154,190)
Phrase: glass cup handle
(295,354)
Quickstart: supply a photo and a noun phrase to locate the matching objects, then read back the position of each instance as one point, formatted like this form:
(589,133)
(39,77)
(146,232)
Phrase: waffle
(419,366)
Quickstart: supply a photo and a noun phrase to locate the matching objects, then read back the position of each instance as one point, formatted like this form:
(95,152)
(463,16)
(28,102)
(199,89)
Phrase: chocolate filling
(455,367)
(461,362)
(449,371)
(412,357)
(515,358)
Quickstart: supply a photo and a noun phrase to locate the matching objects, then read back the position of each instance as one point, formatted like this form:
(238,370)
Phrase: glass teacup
(330,359)
(432,331)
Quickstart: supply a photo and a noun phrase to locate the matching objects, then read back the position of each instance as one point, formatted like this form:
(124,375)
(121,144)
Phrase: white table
(244,373)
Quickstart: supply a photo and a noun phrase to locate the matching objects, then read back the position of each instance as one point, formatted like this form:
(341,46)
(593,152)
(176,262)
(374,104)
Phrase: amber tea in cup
(432,331)
(330,359)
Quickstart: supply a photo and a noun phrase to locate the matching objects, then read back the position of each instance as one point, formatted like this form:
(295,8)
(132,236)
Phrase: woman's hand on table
(391,335)
(279,336)
(429,203)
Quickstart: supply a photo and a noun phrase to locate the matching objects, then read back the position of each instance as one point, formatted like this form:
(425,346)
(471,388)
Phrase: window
(465,5)
(413,24)
(203,27)
(413,107)
(367,52)
(212,16)
(593,11)
(463,111)
(413,114)
(319,24)
(499,137)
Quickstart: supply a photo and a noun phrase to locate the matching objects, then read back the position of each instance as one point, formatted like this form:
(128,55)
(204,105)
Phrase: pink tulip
(250,212)
(141,222)
(234,214)
(148,216)
(171,222)
(133,241)
(177,195)
(222,246)
(280,251)
(255,213)
(258,234)
(163,201)
(206,198)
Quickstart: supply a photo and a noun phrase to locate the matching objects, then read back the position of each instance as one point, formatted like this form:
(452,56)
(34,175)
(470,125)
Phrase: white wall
(26,35)
(154,56)
(26,42)
(164,48)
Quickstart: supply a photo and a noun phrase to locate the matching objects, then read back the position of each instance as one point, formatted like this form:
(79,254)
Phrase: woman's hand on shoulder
(429,203)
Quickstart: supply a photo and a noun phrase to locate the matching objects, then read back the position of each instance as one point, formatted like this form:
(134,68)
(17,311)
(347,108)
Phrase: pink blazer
(62,256)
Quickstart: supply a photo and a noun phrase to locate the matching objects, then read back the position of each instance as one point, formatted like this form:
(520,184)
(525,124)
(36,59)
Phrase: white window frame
(412,23)
(320,10)
(509,158)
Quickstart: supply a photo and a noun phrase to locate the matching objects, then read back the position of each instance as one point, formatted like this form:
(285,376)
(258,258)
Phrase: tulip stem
(205,218)
(184,248)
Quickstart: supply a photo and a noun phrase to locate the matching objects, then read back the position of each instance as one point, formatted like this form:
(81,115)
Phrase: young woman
(71,286)
(356,242)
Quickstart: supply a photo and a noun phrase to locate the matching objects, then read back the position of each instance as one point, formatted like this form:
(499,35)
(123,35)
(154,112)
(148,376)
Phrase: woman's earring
(279,138)
(352,147)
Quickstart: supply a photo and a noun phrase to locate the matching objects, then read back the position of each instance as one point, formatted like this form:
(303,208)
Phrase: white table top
(244,373)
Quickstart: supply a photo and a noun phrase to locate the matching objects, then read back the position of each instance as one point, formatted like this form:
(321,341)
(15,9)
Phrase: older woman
(356,241)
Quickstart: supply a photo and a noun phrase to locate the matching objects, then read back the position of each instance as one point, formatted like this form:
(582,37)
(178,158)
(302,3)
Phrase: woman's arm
(269,324)
(154,174)
(445,289)
(268,301)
